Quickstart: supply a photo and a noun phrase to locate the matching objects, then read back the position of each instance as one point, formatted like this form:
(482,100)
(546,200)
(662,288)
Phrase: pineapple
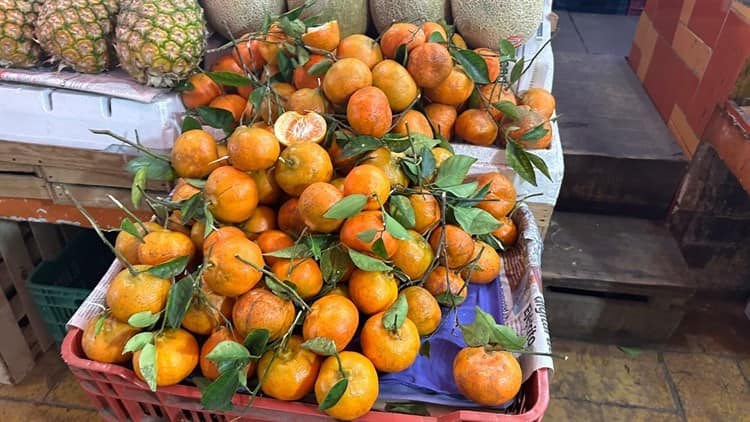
(17,45)
(159,42)
(77,33)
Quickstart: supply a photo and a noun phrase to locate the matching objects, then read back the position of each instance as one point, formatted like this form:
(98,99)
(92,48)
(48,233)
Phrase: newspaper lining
(115,83)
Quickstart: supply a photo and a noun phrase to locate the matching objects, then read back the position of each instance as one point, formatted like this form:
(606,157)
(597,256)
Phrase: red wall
(689,54)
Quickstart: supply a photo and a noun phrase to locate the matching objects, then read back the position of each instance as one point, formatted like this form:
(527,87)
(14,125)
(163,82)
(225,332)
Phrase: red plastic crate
(120,396)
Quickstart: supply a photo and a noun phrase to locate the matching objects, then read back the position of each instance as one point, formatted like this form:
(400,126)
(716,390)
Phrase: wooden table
(33,182)
(34,178)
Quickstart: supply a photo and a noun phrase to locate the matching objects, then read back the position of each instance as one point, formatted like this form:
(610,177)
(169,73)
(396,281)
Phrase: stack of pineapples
(156,41)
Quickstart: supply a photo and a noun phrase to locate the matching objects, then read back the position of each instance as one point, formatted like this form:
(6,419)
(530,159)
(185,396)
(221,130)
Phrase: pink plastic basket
(120,396)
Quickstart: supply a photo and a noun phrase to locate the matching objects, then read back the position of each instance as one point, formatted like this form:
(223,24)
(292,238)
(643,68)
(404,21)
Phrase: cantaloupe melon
(240,16)
(351,15)
(483,23)
(386,12)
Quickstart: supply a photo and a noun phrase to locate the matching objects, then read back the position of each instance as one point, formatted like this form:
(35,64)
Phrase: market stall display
(325,239)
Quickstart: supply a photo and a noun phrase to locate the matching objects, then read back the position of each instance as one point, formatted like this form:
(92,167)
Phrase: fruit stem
(218,160)
(131,143)
(341,366)
(288,334)
(129,213)
(99,233)
(282,345)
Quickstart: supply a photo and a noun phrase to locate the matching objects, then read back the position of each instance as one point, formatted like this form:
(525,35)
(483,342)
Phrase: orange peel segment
(292,127)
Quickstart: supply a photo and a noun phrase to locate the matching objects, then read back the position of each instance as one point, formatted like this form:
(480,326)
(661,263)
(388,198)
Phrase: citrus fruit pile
(414,79)
(321,217)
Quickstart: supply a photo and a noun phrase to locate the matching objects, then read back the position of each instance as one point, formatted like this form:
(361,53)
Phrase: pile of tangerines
(323,217)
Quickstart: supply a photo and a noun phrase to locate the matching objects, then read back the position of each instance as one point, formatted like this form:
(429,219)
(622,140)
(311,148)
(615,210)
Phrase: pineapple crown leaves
(485,331)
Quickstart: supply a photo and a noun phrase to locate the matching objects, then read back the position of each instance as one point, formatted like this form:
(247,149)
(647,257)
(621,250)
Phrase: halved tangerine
(292,127)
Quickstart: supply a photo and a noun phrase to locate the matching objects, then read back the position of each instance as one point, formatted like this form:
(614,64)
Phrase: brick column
(689,55)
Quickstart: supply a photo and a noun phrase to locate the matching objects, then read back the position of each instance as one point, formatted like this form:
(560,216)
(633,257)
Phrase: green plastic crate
(60,285)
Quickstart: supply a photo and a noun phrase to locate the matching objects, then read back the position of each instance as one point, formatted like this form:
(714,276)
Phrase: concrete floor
(702,374)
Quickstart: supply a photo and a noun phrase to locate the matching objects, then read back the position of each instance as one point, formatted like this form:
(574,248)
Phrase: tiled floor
(49,393)
(702,374)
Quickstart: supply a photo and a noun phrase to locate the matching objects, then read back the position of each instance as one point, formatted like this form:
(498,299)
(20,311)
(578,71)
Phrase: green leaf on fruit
(508,109)
(334,394)
(256,342)
(507,48)
(347,207)
(216,117)
(428,164)
(147,365)
(402,55)
(485,330)
(517,71)
(171,268)
(320,68)
(334,263)
(189,123)
(449,299)
(99,324)
(420,141)
(229,79)
(539,163)
(129,227)
(360,145)
(228,351)
(401,209)
(475,220)
(395,316)
(322,346)
(507,338)
(218,395)
(180,298)
(137,342)
(367,263)
(395,228)
(184,85)
(473,64)
(299,250)
(190,208)
(519,161)
(143,319)
(257,96)
(157,169)
(367,236)
(378,247)
(436,37)
(139,186)
(209,223)
(464,190)
(453,170)
(535,134)
(284,64)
